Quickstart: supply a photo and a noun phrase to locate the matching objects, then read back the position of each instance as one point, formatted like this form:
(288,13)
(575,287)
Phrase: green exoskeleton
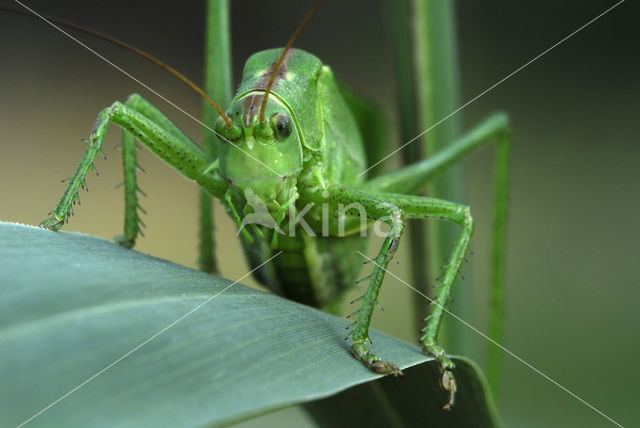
(290,143)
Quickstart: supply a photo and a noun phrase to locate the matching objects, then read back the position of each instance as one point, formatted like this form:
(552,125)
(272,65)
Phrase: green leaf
(72,306)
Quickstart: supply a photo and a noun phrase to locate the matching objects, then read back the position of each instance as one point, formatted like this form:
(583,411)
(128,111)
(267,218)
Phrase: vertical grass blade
(218,85)
(421,277)
(500,187)
(437,89)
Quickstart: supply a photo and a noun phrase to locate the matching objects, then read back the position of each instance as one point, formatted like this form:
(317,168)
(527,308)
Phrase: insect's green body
(308,152)
(324,148)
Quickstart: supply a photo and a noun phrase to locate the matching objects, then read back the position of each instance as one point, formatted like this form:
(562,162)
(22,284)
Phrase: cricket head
(260,159)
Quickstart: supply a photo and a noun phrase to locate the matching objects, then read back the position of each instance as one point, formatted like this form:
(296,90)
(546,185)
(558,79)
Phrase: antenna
(135,50)
(278,63)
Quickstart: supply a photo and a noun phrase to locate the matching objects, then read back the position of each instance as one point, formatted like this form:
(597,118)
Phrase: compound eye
(281,124)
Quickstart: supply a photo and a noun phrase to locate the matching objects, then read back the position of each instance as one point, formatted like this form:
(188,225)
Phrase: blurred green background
(573,282)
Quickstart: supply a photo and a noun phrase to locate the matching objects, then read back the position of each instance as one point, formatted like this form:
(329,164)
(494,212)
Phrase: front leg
(161,138)
(394,209)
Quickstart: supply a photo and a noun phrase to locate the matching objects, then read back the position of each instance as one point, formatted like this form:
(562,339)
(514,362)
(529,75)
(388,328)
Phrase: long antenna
(277,65)
(135,50)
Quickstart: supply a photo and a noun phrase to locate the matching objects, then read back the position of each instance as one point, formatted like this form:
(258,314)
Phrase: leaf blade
(71,305)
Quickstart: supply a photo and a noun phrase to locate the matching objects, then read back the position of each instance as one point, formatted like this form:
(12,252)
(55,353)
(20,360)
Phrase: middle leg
(394,209)
(132,221)
(412,179)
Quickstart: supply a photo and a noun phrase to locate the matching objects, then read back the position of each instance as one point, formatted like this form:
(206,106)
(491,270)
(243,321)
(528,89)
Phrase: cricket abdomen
(315,271)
